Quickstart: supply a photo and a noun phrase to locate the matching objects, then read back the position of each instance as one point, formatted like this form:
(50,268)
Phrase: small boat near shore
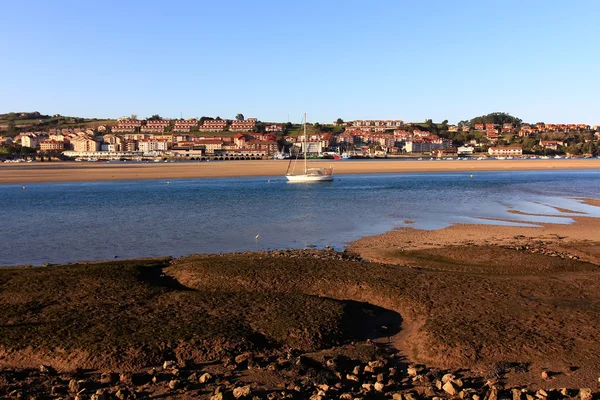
(309,174)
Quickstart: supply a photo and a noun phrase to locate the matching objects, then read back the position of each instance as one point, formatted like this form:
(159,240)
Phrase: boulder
(379,386)
(174,384)
(242,392)
(412,371)
(126,378)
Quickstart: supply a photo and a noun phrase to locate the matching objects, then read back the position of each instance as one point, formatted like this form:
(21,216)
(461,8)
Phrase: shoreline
(85,172)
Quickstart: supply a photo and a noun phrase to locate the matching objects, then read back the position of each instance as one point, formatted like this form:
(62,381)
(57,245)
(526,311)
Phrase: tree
(239,117)
(155,117)
(133,116)
(339,121)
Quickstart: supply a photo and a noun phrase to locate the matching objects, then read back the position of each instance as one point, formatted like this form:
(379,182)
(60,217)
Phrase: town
(207,138)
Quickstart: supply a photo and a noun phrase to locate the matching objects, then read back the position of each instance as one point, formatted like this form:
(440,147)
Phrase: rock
(438,384)
(352,377)
(450,388)
(206,378)
(380,378)
(367,387)
(75,386)
(541,394)
(447,378)
(107,378)
(397,396)
(244,357)
(409,396)
(585,394)
(429,391)
(492,394)
(369,369)
(376,364)
(242,392)
(174,384)
(356,370)
(348,396)
(564,392)
(545,375)
(476,397)
(412,371)
(324,387)
(123,394)
(126,378)
(169,364)
(516,394)
(48,370)
(379,386)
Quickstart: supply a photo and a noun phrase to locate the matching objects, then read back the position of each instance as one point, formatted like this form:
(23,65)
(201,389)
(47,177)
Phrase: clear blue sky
(536,59)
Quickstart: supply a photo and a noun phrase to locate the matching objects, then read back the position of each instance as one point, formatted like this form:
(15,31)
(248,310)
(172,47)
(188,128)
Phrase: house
(465,150)
(479,127)
(155,126)
(507,128)
(126,125)
(466,128)
(185,125)
(551,144)
(492,134)
(452,128)
(243,125)
(213,125)
(510,151)
(541,127)
(274,128)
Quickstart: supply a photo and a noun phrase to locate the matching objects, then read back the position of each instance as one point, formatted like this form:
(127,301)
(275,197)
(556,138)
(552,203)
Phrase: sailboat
(309,174)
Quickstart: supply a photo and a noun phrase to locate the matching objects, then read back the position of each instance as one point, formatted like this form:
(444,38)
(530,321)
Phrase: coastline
(74,172)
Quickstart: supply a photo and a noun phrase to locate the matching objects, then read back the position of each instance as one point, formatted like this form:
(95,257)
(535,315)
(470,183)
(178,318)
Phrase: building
(31,140)
(126,125)
(185,125)
(510,151)
(85,144)
(152,145)
(52,145)
(479,127)
(465,150)
(243,126)
(210,145)
(274,128)
(213,125)
(551,144)
(155,126)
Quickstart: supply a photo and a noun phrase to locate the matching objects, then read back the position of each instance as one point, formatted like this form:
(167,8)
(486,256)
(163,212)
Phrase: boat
(309,174)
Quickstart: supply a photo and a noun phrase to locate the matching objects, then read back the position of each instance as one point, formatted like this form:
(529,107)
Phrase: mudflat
(100,171)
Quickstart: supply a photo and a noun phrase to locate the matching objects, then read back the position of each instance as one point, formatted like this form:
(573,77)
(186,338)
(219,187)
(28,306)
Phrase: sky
(274,60)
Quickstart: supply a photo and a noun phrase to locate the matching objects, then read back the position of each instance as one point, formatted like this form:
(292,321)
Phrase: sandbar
(101,171)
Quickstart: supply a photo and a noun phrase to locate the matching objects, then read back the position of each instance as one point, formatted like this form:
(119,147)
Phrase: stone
(379,386)
(447,378)
(242,392)
(122,394)
(450,388)
(46,369)
(367,387)
(356,370)
(174,383)
(516,394)
(206,378)
(75,386)
(380,378)
(243,357)
(352,377)
(369,369)
(397,396)
(126,378)
(412,371)
(377,364)
(585,394)
(545,375)
(541,394)
(169,364)
(107,378)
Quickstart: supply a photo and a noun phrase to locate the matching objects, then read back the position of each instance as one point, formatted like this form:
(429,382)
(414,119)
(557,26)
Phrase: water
(67,222)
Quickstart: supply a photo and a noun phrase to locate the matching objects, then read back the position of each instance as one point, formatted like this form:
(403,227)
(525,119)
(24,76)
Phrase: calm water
(66,222)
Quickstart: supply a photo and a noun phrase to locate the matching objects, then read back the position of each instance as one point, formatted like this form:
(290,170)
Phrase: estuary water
(86,221)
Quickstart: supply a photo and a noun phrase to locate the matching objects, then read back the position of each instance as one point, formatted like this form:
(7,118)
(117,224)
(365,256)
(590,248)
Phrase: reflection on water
(65,222)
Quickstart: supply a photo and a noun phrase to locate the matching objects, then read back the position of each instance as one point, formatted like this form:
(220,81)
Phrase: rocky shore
(516,319)
(288,375)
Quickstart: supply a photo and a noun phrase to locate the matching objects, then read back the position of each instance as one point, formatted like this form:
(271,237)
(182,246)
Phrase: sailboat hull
(309,178)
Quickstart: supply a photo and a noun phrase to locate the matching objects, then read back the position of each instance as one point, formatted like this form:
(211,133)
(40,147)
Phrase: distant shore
(89,171)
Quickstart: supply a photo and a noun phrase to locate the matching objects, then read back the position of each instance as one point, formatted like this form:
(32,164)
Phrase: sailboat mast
(305,145)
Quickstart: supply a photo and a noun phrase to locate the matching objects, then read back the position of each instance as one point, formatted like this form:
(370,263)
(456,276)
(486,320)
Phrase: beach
(101,171)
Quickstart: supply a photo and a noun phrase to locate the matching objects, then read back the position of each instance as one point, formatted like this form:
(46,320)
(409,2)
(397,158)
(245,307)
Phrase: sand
(84,171)
(580,238)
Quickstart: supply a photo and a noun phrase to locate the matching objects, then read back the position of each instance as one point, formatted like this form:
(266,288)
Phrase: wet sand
(72,172)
